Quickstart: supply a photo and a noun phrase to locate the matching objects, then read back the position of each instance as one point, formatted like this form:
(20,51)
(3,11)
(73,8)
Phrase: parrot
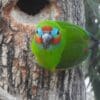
(59,45)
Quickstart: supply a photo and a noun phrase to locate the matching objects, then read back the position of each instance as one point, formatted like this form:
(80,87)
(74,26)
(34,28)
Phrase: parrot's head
(47,36)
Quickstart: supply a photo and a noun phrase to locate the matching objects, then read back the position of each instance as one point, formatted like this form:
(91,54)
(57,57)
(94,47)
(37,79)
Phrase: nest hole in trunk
(32,7)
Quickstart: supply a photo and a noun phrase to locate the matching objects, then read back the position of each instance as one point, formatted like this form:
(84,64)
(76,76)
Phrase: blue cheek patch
(54,32)
(39,32)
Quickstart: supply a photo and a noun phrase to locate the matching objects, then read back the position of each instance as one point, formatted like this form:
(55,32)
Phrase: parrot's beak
(46,37)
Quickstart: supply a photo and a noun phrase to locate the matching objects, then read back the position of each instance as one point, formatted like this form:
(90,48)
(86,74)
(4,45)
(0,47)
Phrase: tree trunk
(20,76)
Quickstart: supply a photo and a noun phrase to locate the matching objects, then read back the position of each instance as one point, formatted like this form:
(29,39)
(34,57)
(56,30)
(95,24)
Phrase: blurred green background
(92,11)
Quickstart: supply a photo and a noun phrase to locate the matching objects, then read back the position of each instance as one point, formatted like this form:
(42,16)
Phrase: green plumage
(71,50)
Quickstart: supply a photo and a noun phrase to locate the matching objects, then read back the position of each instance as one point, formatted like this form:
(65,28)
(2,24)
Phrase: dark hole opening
(32,7)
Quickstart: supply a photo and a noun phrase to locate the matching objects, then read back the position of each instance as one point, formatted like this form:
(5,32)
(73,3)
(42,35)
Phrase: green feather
(70,51)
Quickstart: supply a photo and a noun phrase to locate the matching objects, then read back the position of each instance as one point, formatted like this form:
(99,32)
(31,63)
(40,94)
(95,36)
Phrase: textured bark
(19,74)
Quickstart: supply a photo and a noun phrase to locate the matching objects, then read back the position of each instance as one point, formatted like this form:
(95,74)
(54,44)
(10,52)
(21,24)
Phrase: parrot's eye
(39,32)
(55,32)
(58,33)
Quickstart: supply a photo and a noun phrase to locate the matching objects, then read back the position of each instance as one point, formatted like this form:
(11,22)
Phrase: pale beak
(46,37)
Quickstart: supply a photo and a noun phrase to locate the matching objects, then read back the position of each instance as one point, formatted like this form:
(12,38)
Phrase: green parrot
(59,45)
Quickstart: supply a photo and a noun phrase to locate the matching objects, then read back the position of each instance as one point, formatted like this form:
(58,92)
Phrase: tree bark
(20,76)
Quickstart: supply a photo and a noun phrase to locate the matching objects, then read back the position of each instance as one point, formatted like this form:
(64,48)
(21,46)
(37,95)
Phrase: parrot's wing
(76,42)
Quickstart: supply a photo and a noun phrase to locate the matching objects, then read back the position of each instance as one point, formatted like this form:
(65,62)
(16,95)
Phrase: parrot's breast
(47,58)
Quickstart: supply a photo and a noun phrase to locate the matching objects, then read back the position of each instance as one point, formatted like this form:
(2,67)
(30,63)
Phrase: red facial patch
(38,39)
(47,28)
(56,40)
